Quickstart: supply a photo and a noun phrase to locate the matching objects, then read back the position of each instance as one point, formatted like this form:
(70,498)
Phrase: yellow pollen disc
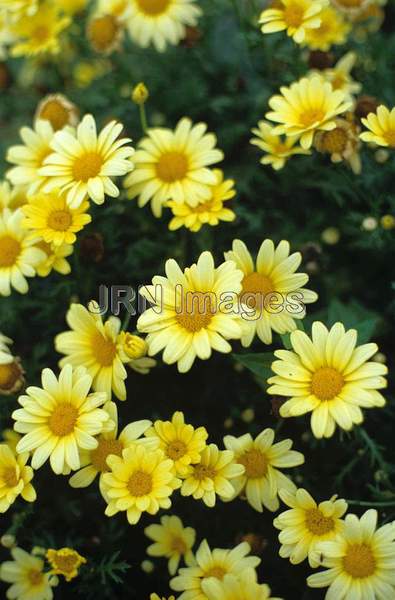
(255,463)
(104,449)
(140,484)
(326,383)
(9,476)
(293,15)
(54,112)
(198,308)
(10,250)
(178,545)
(176,450)
(103,32)
(311,116)
(66,563)
(9,375)
(317,523)
(359,561)
(172,166)
(217,572)
(201,472)
(338,81)
(45,247)
(255,287)
(153,7)
(63,419)
(35,577)
(40,34)
(59,220)
(103,350)
(389,137)
(87,166)
(335,141)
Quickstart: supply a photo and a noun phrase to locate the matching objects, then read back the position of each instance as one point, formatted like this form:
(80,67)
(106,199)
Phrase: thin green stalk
(143,118)
(371,504)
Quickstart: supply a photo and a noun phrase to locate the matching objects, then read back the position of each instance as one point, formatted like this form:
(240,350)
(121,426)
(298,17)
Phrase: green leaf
(353,316)
(258,363)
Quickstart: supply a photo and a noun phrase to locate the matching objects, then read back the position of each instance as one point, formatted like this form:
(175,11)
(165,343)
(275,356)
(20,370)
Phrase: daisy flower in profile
(381,126)
(213,476)
(141,480)
(65,561)
(342,143)
(329,376)
(161,22)
(52,219)
(232,587)
(83,162)
(171,540)
(58,110)
(210,564)
(27,576)
(360,563)
(261,479)
(306,524)
(333,30)
(105,33)
(94,345)
(173,165)
(340,77)
(295,17)
(271,289)
(307,106)
(180,441)
(188,320)
(39,33)
(18,257)
(277,149)
(15,478)
(60,419)
(210,212)
(54,258)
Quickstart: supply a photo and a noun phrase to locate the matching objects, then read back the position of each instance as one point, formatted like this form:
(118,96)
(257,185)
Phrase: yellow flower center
(197,311)
(389,137)
(103,349)
(40,34)
(172,166)
(294,15)
(9,375)
(178,545)
(87,166)
(35,577)
(317,523)
(255,463)
(310,116)
(338,81)
(59,220)
(153,7)
(140,484)
(66,562)
(103,32)
(217,572)
(203,471)
(335,141)
(104,449)
(359,561)
(255,287)
(176,450)
(10,250)
(63,419)
(10,477)
(54,112)
(326,383)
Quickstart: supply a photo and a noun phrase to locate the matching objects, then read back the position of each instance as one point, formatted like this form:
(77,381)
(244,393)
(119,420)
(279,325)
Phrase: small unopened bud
(133,345)
(379,357)
(369,224)
(330,236)
(147,566)
(228,423)
(381,156)
(140,94)
(8,541)
(248,415)
(387,222)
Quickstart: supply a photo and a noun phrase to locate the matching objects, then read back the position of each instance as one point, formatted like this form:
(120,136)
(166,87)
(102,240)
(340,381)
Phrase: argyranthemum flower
(340,77)
(329,376)
(94,345)
(277,149)
(271,289)
(262,480)
(58,110)
(39,33)
(210,564)
(295,17)
(83,162)
(173,165)
(141,480)
(241,587)
(171,540)
(54,258)
(94,462)
(161,22)
(360,562)
(342,143)
(30,156)
(15,478)
(180,441)
(213,476)
(189,319)
(12,376)
(27,575)
(210,212)
(52,219)
(381,126)
(333,30)
(60,419)
(105,33)
(65,561)
(307,106)
(306,524)
(18,257)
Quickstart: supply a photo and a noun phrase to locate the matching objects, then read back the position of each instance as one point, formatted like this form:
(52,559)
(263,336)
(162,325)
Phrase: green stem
(143,118)
(126,321)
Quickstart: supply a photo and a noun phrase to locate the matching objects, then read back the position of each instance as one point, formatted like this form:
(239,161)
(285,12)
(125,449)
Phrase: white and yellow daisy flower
(333,30)
(39,33)
(15,478)
(171,540)
(232,587)
(58,110)
(27,576)
(277,149)
(5,352)
(381,127)
(296,17)
(54,258)
(12,376)
(105,33)
(12,197)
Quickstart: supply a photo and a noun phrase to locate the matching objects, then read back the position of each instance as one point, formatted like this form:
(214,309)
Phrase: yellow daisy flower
(12,376)
(15,478)
(329,376)
(232,587)
(142,480)
(60,419)
(65,561)
(360,563)
(333,30)
(340,77)
(94,345)
(271,289)
(161,22)
(307,106)
(18,257)
(84,162)
(210,212)
(381,126)
(210,564)
(27,577)
(307,524)
(54,258)
(212,476)
(277,149)
(173,165)
(105,33)
(58,110)
(39,33)
(171,540)
(262,480)
(52,219)
(190,319)
(342,143)
(180,442)
(295,17)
